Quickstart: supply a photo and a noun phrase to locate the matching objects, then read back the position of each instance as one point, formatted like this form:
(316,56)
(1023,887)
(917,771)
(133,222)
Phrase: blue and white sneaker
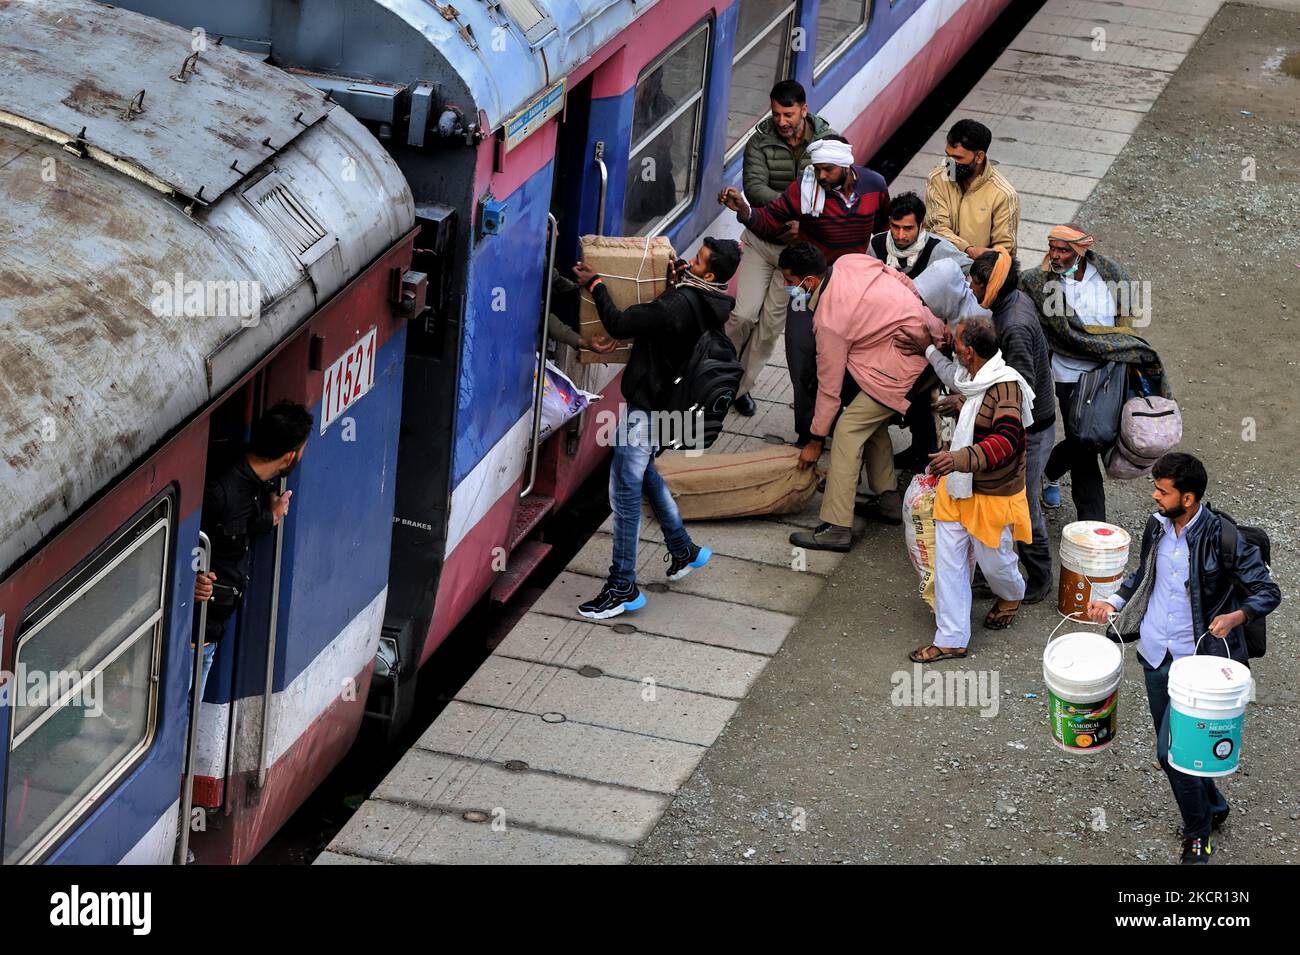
(1051,495)
(679,567)
(611,602)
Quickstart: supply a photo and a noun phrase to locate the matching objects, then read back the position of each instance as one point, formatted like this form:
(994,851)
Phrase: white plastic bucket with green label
(1083,672)
(1207,707)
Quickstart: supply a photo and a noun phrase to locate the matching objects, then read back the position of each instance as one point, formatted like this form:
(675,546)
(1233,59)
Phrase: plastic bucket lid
(1082,667)
(1213,683)
(1095,535)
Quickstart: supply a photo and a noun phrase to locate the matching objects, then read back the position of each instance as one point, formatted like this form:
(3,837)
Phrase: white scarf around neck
(894,255)
(995,371)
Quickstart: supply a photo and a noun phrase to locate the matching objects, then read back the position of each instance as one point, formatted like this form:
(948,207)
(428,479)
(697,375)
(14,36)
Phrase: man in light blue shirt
(1180,584)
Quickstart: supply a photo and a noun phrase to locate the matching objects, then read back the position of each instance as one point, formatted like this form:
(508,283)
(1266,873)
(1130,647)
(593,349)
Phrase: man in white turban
(836,205)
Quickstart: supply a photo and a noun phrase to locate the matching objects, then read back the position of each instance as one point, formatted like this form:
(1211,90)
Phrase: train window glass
(839,23)
(668,102)
(87,670)
(762,58)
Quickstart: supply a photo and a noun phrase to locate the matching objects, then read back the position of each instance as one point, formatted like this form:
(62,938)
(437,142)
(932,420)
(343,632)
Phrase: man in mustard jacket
(969,202)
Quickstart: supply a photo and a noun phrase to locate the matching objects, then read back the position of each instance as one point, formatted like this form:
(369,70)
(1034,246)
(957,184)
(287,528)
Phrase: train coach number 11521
(348,379)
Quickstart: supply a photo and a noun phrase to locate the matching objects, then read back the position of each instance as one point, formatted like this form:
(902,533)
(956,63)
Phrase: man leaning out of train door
(664,334)
(242,501)
(1183,600)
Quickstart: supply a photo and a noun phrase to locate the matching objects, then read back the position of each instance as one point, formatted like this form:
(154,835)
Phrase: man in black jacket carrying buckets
(1199,582)
(665,333)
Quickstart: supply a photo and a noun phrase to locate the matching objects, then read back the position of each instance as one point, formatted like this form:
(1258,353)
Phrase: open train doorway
(212,733)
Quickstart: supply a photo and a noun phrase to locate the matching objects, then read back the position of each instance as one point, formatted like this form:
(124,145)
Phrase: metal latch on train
(408,292)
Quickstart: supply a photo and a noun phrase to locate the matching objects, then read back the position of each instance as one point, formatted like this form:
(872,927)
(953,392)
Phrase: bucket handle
(1110,622)
(1206,634)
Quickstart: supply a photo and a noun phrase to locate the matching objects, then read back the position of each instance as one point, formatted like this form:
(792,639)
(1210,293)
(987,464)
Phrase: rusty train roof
(155,110)
(100,357)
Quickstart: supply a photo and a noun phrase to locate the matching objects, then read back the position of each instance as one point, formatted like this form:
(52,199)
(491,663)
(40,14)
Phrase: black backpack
(1229,530)
(706,387)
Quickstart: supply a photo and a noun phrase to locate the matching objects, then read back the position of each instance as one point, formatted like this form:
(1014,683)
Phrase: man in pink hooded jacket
(859,305)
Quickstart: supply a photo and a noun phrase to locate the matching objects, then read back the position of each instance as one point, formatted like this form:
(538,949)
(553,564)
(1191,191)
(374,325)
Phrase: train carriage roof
(502,53)
(239,183)
(554,35)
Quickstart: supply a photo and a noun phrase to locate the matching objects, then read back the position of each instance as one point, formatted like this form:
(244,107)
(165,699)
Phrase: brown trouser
(863,424)
(761,303)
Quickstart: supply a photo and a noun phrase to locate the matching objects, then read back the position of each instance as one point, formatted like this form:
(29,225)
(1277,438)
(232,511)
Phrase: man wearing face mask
(857,307)
(836,206)
(775,156)
(242,501)
(970,203)
(1077,293)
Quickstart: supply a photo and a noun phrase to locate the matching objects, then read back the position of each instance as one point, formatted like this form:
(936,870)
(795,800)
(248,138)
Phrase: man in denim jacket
(1183,601)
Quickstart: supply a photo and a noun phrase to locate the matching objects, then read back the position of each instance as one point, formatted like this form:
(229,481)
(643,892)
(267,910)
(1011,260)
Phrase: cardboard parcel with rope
(634,270)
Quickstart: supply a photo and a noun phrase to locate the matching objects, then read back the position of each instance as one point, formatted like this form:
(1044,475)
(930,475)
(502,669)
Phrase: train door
(548,464)
(210,752)
(579,207)
(292,672)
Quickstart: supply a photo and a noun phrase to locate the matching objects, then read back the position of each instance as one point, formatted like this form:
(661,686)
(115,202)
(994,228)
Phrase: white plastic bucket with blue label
(1207,707)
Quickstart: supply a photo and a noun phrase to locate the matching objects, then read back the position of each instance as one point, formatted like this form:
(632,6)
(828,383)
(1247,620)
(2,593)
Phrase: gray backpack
(1148,428)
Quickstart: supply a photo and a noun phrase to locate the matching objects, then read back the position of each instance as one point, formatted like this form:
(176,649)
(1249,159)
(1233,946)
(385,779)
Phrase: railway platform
(748,712)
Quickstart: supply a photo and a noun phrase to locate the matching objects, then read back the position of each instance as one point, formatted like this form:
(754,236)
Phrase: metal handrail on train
(543,336)
(265,745)
(599,159)
(196,700)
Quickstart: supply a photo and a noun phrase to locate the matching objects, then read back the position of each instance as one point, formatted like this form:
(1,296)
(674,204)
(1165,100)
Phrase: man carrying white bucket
(1199,582)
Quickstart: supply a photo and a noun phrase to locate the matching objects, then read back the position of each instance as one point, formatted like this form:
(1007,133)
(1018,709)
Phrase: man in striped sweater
(980,507)
(836,206)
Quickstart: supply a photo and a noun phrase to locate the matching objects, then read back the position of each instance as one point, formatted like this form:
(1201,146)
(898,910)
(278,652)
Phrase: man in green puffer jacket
(775,155)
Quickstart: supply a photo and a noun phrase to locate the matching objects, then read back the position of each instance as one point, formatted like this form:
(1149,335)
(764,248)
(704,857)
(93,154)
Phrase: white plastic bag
(561,400)
(918,524)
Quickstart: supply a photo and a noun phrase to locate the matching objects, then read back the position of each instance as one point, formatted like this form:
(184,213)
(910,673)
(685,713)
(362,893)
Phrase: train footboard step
(523,561)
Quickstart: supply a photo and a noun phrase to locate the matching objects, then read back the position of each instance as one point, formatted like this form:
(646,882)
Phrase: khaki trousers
(863,424)
(761,302)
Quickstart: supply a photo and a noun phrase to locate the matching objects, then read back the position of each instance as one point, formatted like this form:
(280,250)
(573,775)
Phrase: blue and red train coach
(341,157)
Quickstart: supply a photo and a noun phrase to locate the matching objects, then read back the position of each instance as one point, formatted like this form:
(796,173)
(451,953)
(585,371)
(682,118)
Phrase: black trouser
(919,421)
(1198,798)
(801,358)
(1083,463)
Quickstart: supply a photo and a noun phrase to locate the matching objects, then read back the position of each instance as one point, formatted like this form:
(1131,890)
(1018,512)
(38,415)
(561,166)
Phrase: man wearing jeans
(664,334)
(1180,584)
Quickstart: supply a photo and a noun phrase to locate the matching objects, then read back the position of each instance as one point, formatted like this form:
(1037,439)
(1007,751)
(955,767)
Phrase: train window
(839,23)
(762,59)
(86,686)
(665,135)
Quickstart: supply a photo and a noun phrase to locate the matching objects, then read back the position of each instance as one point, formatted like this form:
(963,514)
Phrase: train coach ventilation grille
(288,217)
(535,23)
